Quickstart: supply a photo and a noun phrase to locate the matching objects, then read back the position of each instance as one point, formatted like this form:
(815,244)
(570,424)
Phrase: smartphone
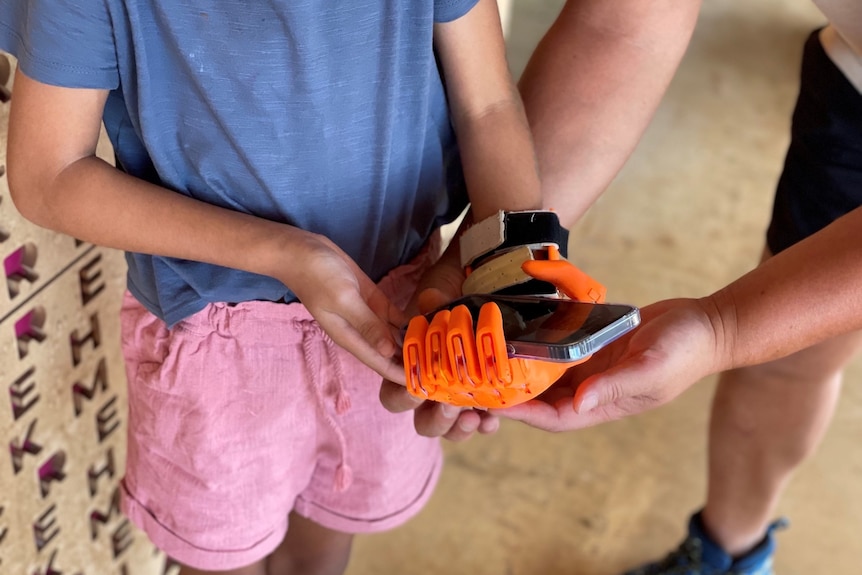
(553,329)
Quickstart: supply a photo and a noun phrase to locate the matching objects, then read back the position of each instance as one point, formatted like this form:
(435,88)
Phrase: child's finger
(376,300)
(367,337)
(432,298)
(370,326)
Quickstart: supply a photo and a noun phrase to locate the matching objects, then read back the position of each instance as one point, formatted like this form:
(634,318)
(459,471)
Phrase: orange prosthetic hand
(451,361)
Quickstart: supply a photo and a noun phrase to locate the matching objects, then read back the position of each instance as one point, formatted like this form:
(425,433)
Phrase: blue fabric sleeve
(68,43)
(449,10)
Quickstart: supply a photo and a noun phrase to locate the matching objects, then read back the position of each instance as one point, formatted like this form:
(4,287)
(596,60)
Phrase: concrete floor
(687,215)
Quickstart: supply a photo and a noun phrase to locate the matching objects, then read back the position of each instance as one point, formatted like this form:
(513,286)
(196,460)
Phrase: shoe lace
(687,559)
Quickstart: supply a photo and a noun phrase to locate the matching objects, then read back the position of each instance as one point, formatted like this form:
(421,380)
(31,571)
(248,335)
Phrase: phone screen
(549,321)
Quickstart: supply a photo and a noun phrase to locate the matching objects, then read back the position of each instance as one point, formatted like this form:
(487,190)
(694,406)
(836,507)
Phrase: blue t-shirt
(329,116)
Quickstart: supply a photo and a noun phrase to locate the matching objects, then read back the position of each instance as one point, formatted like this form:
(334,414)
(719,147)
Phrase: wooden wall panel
(62,401)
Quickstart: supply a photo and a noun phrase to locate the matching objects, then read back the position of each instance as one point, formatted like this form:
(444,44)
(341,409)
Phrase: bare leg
(310,549)
(258,568)
(766,421)
(307,549)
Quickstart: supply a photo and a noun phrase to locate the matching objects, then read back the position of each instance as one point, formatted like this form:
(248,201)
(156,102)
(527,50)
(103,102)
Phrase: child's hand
(349,307)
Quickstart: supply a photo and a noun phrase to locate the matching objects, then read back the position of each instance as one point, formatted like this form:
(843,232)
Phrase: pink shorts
(241,414)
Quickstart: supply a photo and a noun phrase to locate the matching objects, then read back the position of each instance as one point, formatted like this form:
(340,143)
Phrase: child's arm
(57,181)
(489,120)
(499,167)
(493,135)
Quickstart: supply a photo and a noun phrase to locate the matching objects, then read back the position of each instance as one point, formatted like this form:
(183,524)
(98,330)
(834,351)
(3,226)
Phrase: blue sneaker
(700,555)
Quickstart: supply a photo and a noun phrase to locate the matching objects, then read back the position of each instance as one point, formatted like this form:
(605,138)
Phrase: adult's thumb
(627,379)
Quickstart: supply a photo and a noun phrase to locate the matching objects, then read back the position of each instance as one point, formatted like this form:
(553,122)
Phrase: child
(269,153)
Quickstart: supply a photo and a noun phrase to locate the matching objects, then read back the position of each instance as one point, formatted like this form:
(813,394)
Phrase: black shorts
(822,176)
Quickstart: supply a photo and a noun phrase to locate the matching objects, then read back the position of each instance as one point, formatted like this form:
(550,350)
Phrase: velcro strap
(505,231)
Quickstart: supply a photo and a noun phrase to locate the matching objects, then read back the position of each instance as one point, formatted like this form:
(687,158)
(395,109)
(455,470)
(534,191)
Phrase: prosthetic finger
(461,343)
(491,344)
(415,364)
(437,355)
(570,280)
(446,361)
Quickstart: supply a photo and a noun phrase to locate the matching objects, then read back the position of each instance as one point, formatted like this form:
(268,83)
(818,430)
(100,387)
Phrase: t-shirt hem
(172,316)
(57,73)
(447,11)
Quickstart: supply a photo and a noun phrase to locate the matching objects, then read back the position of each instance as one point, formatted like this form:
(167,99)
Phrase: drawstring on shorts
(312,331)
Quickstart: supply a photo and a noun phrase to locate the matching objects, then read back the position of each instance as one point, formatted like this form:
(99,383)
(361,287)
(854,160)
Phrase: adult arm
(589,91)
(796,299)
(592,86)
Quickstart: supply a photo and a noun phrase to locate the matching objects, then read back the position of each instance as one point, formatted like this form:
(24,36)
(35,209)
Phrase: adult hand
(677,344)
(433,419)
(438,286)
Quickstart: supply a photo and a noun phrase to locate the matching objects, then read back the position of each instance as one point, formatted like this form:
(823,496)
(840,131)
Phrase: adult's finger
(466,425)
(559,416)
(535,413)
(396,398)
(434,419)
(489,423)
(638,379)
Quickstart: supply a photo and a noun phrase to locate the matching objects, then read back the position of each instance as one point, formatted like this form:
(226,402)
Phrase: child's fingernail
(588,403)
(450,410)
